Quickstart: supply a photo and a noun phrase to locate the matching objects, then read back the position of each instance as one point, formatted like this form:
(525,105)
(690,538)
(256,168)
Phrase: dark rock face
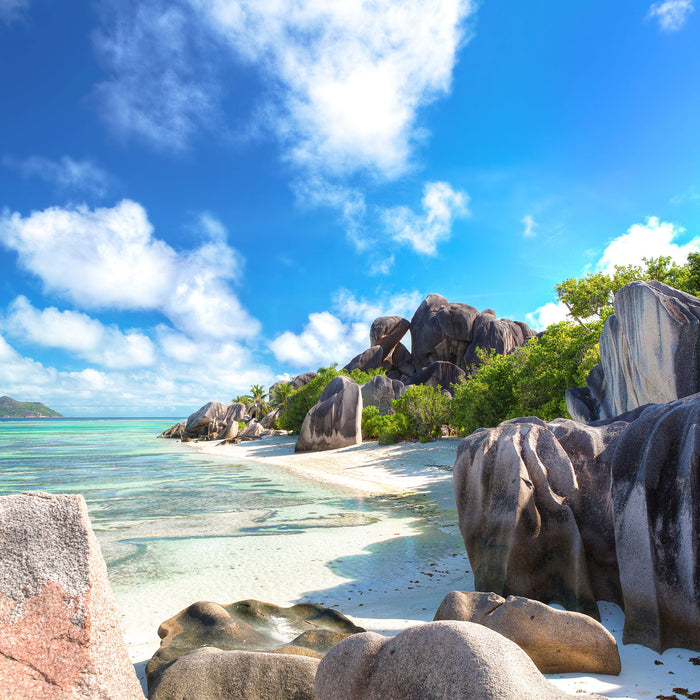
(534,510)
(656,508)
(209,673)
(176,431)
(369,359)
(380,391)
(556,640)
(301,379)
(442,374)
(387,331)
(59,628)
(212,420)
(401,360)
(441,331)
(248,625)
(336,420)
(456,660)
(491,333)
(635,368)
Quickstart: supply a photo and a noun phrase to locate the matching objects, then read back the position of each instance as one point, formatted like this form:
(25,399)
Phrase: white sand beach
(399,583)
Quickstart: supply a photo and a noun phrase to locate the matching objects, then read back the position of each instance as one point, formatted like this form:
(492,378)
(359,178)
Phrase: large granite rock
(252,430)
(401,361)
(336,420)
(176,431)
(440,374)
(434,661)
(534,511)
(441,331)
(369,359)
(249,625)
(59,629)
(649,353)
(208,673)
(302,379)
(387,331)
(491,333)
(380,391)
(213,420)
(656,509)
(557,641)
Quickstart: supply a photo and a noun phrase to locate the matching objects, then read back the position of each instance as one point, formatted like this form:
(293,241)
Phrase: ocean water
(176,526)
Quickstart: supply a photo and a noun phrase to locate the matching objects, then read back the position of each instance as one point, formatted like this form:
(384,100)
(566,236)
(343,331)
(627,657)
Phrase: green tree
(280,393)
(258,405)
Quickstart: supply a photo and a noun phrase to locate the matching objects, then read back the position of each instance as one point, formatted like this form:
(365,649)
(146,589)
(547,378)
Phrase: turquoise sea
(176,526)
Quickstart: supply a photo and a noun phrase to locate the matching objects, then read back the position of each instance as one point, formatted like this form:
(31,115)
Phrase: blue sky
(199,195)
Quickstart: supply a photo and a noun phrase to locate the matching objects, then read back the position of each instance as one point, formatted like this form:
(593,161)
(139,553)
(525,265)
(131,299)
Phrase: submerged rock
(435,661)
(336,420)
(59,628)
(557,641)
(248,625)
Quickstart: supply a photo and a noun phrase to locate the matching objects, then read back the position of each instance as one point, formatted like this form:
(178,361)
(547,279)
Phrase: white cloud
(11,10)
(66,173)
(161,87)
(345,79)
(671,14)
(441,205)
(551,312)
(109,258)
(339,336)
(530,230)
(653,239)
(79,334)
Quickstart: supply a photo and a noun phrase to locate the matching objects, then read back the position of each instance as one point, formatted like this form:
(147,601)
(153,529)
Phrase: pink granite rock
(59,631)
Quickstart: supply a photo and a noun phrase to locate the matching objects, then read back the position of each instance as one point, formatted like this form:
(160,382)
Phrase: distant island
(9,408)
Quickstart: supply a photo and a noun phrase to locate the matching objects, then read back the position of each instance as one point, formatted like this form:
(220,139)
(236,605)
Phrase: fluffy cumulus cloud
(346,79)
(11,10)
(652,239)
(551,312)
(108,258)
(67,174)
(339,335)
(671,14)
(78,334)
(422,232)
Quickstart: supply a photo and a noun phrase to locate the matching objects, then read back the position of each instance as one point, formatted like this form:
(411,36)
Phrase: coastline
(419,477)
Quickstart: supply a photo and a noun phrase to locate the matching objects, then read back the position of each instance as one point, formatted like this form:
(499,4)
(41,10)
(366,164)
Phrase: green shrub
(531,381)
(299,402)
(389,429)
(426,410)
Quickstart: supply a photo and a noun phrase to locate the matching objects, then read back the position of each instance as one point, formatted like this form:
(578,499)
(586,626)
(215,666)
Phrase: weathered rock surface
(248,625)
(401,360)
(230,431)
(336,420)
(535,512)
(302,379)
(213,421)
(268,420)
(176,431)
(252,430)
(380,391)
(439,374)
(369,359)
(387,331)
(208,673)
(656,508)
(635,367)
(59,629)
(434,661)
(491,333)
(441,331)
(557,641)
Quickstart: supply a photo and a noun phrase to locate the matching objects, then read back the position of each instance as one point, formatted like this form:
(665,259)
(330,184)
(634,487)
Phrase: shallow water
(176,526)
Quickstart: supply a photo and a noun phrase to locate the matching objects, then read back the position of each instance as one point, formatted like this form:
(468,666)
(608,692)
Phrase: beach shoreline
(417,478)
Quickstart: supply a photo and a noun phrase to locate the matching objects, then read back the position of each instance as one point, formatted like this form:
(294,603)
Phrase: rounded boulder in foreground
(435,661)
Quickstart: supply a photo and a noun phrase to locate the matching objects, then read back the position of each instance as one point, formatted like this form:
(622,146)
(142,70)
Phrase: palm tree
(279,393)
(257,403)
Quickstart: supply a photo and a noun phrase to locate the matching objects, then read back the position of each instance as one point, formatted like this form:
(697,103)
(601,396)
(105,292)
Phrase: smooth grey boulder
(380,391)
(369,359)
(649,351)
(175,431)
(252,430)
(440,331)
(558,641)
(208,673)
(387,331)
(210,420)
(268,420)
(656,510)
(491,333)
(336,420)
(535,512)
(440,374)
(230,431)
(301,379)
(59,628)
(435,661)
(401,360)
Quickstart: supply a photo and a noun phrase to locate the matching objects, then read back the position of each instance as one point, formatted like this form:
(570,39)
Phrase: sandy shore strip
(388,595)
